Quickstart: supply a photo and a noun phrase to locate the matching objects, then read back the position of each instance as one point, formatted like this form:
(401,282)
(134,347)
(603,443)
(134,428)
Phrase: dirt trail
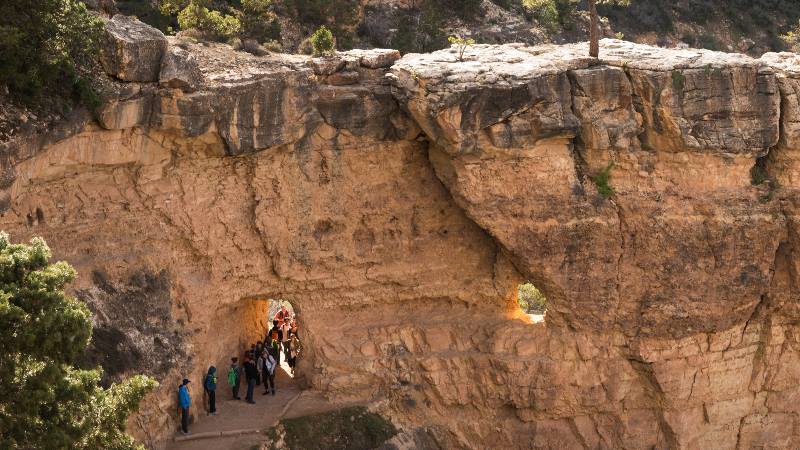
(233,415)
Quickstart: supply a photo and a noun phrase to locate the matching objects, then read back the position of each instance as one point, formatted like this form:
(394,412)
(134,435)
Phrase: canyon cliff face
(398,204)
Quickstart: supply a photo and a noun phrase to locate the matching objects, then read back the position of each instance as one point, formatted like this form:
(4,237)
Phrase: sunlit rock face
(398,204)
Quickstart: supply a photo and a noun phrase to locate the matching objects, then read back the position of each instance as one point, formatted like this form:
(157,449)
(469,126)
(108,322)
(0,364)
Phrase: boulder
(344,77)
(179,70)
(327,65)
(375,58)
(133,50)
(379,57)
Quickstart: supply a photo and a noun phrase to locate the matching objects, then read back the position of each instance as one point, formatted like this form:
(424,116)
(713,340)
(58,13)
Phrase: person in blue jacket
(184,402)
(210,386)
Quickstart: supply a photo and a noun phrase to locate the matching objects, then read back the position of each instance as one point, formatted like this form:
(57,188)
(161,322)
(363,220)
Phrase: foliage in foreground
(47,401)
(48,48)
(530,299)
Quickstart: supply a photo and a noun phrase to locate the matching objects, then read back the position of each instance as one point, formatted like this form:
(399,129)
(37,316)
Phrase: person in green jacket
(235,377)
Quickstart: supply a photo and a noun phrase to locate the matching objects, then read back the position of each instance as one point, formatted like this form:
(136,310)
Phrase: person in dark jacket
(275,336)
(183,403)
(256,354)
(268,370)
(251,374)
(210,387)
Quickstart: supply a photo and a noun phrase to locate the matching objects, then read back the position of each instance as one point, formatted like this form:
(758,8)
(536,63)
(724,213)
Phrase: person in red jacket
(282,315)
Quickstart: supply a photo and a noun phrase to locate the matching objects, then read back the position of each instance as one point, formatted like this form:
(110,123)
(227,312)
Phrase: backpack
(232,376)
(211,382)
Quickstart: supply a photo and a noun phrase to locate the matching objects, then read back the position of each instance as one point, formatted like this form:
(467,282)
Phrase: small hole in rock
(532,302)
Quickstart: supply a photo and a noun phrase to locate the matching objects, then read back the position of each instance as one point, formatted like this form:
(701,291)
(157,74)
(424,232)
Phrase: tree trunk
(594,30)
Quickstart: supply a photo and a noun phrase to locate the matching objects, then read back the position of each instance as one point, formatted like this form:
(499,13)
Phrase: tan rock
(400,213)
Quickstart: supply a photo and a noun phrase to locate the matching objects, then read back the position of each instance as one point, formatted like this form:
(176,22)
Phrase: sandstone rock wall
(398,205)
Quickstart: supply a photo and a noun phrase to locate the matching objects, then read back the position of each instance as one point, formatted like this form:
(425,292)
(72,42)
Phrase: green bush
(461,45)
(339,16)
(421,30)
(258,21)
(322,42)
(212,24)
(678,81)
(48,47)
(758,174)
(226,19)
(530,299)
(48,402)
(602,181)
(553,14)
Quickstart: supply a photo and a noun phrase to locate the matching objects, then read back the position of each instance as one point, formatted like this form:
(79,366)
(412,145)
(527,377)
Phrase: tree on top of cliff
(222,20)
(594,25)
(322,42)
(48,49)
(551,11)
(47,401)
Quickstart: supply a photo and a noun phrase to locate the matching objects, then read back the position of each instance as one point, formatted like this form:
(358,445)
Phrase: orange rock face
(399,211)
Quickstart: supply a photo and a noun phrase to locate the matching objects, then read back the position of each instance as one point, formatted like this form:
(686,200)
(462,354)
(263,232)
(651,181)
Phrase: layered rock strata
(398,205)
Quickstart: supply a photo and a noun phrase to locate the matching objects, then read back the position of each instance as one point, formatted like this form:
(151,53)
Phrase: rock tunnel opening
(283,323)
(532,302)
(248,330)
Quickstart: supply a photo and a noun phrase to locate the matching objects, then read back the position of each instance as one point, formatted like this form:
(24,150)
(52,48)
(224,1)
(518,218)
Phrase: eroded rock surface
(398,206)
(133,49)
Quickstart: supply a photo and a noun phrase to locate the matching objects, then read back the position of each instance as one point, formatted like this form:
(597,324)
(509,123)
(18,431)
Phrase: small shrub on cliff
(758,174)
(461,45)
(338,16)
(47,401)
(678,81)
(322,43)
(602,179)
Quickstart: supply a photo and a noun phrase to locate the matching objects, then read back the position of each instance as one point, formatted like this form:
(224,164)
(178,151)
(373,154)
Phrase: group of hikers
(259,364)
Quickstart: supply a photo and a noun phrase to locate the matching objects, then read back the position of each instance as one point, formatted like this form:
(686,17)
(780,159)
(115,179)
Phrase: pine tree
(48,402)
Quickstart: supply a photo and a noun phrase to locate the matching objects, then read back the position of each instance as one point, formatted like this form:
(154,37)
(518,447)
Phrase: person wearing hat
(183,402)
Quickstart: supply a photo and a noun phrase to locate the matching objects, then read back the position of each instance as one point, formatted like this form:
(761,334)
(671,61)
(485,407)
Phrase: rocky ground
(398,204)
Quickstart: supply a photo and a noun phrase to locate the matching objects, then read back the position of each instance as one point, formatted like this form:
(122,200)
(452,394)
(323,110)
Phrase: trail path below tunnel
(239,425)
